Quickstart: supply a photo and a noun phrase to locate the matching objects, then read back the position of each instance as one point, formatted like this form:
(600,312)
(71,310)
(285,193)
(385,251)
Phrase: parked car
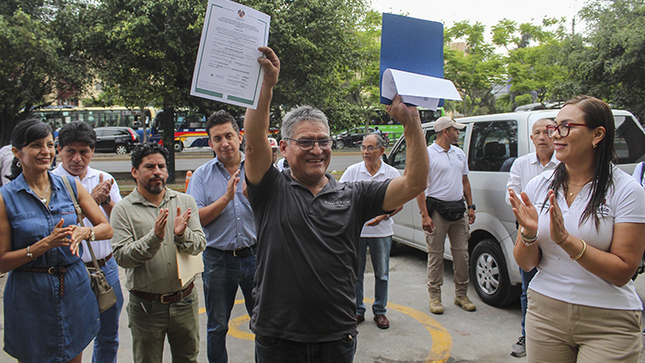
(491,143)
(120,140)
(349,138)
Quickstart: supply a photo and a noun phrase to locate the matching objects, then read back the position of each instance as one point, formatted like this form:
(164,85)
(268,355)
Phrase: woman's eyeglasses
(563,129)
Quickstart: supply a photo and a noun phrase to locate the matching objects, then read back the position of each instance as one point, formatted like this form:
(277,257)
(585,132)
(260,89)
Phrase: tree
(475,70)
(319,45)
(532,69)
(39,57)
(146,49)
(608,62)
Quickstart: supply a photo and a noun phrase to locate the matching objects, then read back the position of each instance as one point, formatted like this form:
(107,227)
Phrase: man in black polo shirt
(308,229)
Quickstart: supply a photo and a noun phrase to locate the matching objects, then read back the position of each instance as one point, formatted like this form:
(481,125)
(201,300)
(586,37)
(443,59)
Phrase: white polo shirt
(447,168)
(104,247)
(638,173)
(524,169)
(358,172)
(561,278)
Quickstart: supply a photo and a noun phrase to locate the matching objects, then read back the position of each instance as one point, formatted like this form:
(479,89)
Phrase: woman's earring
(594,145)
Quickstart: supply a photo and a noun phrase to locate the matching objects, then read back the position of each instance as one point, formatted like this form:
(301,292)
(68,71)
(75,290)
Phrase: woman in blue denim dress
(50,312)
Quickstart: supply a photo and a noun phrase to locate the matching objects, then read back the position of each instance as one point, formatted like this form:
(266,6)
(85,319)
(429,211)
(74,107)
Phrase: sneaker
(519,349)
(435,306)
(465,303)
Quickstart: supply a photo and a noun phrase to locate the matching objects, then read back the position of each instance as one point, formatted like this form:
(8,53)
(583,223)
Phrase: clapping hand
(101,191)
(181,221)
(160,223)
(525,212)
(559,233)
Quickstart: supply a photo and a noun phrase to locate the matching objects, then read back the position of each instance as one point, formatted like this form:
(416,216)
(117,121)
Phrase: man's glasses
(563,129)
(306,145)
(368,148)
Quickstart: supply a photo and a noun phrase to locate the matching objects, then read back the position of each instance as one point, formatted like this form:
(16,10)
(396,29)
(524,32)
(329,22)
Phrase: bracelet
(30,254)
(528,241)
(582,251)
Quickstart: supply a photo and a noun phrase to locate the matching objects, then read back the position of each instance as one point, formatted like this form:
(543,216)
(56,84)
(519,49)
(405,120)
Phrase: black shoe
(359,318)
(381,321)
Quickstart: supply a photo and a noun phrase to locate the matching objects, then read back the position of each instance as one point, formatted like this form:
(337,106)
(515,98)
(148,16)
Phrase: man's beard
(155,188)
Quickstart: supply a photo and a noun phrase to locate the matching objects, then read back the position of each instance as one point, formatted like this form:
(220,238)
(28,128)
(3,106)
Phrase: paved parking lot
(415,335)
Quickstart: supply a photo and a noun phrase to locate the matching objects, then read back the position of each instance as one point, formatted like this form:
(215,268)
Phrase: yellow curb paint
(441,339)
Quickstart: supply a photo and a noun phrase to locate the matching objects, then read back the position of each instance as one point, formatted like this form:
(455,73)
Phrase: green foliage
(532,60)
(609,62)
(147,48)
(39,57)
(474,71)
(323,45)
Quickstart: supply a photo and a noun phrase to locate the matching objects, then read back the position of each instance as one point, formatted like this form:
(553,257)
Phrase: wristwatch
(92,235)
(472,206)
(107,201)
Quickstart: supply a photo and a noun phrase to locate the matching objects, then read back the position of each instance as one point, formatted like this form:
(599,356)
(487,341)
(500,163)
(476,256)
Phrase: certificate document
(227,68)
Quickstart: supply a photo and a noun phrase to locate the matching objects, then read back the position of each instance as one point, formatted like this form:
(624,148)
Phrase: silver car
(491,143)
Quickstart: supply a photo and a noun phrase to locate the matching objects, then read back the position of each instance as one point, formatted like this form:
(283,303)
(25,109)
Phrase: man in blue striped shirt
(227,220)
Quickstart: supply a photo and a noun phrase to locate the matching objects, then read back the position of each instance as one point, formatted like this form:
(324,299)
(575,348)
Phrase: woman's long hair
(596,113)
(23,134)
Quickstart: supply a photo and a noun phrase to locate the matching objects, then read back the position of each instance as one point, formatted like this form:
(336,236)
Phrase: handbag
(105,296)
(450,211)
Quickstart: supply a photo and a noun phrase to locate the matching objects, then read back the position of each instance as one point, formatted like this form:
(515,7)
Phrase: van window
(397,157)
(493,146)
(629,141)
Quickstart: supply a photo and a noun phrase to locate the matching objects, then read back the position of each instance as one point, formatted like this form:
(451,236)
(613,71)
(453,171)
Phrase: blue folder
(411,45)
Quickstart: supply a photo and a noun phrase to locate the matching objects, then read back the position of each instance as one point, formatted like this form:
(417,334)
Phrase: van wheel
(489,274)
(121,149)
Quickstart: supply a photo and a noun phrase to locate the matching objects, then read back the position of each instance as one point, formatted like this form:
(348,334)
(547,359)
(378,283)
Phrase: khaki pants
(457,232)
(557,331)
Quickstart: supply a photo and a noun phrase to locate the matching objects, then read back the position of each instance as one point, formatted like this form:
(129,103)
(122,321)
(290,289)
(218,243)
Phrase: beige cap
(443,123)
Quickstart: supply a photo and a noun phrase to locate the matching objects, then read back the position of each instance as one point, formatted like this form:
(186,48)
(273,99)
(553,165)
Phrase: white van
(491,143)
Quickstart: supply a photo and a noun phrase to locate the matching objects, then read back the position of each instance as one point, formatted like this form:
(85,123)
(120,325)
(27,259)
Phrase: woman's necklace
(43,198)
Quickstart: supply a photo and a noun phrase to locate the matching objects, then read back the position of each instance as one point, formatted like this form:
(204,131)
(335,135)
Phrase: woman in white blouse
(582,226)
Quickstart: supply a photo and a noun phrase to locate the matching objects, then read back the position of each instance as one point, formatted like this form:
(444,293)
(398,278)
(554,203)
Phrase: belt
(164,298)
(101,262)
(54,270)
(241,252)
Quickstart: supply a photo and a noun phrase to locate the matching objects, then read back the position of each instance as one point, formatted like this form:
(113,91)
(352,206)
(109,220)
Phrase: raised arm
(414,178)
(256,122)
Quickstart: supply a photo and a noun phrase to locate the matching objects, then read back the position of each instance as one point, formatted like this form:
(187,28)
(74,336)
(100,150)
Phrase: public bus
(57,116)
(190,128)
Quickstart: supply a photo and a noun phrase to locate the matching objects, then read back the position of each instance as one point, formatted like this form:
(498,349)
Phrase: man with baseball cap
(443,211)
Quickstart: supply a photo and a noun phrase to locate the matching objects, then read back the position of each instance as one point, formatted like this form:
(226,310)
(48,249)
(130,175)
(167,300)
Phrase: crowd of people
(294,240)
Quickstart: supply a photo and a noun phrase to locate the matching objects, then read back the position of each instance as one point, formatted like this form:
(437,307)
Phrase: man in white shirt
(76,141)
(523,170)
(6,158)
(376,233)
(443,212)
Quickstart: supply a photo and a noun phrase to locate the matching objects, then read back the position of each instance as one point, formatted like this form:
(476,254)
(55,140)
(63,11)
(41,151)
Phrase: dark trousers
(277,350)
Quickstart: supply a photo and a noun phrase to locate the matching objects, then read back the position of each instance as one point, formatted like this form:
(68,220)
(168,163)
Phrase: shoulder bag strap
(79,217)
